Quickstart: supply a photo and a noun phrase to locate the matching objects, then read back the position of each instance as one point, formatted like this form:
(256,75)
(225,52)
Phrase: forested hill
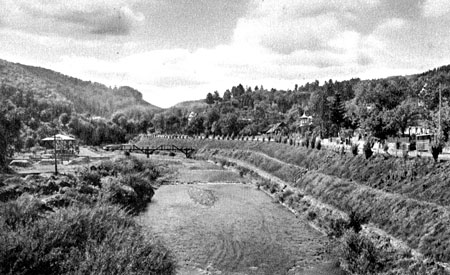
(84,96)
(383,107)
(193,105)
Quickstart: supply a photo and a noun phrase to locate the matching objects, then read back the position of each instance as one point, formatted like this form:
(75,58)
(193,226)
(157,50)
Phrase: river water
(231,229)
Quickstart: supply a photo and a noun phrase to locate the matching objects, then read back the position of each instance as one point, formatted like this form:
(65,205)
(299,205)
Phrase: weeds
(100,240)
(356,220)
(311,215)
(359,255)
(77,225)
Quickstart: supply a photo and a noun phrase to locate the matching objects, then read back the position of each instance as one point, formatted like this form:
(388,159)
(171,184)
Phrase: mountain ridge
(86,96)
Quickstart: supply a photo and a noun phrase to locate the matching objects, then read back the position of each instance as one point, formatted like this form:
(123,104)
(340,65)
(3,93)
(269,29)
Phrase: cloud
(173,81)
(364,59)
(285,26)
(275,43)
(103,21)
(97,17)
(436,8)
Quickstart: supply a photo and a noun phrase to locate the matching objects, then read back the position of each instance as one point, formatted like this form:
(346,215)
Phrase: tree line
(381,107)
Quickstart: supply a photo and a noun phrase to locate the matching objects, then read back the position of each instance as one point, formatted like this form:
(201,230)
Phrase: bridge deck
(188,151)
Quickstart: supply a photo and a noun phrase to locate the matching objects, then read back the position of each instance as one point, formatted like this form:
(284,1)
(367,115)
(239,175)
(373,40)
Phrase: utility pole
(440,103)
(56,161)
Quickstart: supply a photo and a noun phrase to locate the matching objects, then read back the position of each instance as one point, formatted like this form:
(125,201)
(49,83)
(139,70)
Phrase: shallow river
(231,229)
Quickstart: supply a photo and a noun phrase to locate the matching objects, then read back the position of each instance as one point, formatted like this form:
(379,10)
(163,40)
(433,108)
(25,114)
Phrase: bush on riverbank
(99,240)
(130,191)
(81,225)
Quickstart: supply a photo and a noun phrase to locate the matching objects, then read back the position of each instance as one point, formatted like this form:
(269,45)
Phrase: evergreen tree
(337,110)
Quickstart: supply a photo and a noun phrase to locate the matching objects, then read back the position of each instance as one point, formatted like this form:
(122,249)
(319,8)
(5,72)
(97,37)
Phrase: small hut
(64,145)
(305,120)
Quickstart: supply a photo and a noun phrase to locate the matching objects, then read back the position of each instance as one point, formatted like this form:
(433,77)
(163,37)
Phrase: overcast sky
(176,50)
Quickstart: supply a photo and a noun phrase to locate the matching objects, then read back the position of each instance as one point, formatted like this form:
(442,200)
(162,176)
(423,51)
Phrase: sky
(178,50)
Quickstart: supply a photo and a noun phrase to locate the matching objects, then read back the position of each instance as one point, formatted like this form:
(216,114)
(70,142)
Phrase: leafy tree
(64,118)
(9,131)
(29,142)
(211,117)
(404,115)
(209,99)
(237,91)
(159,123)
(433,121)
(173,124)
(352,115)
(196,126)
(229,124)
(46,115)
(216,97)
(374,121)
(436,149)
(227,95)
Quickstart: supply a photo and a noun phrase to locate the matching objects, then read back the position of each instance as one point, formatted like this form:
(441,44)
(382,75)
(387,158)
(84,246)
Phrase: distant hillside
(84,96)
(191,105)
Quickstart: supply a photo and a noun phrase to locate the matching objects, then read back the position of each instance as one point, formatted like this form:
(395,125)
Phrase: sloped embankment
(420,224)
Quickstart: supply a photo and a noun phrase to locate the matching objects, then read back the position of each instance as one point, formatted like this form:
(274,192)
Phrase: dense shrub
(99,240)
(313,142)
(90,177)
(311,215)
(397,145)
(368,149)
(26,209)
(354,149)
(281,196)
(68,224)
(412,145)
(356,220)
(337,228)
(359,255)
(130,191)
(436,150)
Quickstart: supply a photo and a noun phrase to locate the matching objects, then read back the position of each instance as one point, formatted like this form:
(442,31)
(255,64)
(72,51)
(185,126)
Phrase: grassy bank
(416,178)
(81,224)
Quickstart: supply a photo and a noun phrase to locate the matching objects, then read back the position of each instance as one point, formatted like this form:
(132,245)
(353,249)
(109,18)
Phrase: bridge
(188,151)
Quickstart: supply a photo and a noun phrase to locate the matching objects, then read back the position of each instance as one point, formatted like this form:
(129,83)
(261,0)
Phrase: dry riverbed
(219,224)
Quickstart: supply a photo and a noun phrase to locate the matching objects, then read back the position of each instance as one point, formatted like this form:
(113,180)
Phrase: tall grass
(99,240)
(82,225)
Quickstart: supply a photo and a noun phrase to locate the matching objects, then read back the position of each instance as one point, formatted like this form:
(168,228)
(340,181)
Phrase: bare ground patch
(202,196)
